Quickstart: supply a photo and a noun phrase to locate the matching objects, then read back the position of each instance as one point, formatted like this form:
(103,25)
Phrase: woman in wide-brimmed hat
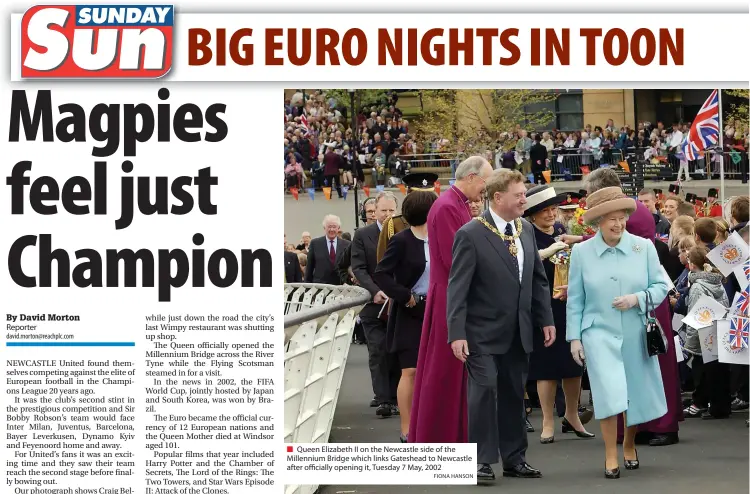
(610,277)
(548,365)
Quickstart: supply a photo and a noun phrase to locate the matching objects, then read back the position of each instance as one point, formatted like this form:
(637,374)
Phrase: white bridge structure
(318,325)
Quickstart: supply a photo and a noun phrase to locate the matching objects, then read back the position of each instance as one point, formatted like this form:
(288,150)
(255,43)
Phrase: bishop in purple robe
(439,407)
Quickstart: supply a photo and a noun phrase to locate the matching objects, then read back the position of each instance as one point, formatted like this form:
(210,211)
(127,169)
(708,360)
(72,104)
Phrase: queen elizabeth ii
(609,279)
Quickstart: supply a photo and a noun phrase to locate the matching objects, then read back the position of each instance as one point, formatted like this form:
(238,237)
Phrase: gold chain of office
(510,239)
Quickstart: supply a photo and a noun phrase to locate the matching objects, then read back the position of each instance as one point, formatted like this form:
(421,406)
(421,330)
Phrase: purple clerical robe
(641,224)
(439,407)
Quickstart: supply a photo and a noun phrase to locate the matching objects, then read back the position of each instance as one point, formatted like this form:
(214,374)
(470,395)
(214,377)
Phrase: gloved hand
(552,250)
(625,302)
(576,350)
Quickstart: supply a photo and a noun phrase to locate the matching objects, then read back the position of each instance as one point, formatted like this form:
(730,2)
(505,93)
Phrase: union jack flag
(705,130)
(742,303)
(303,125)
(739,332)
(746,269)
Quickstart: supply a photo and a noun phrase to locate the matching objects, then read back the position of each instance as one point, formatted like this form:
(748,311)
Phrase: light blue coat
(622,375)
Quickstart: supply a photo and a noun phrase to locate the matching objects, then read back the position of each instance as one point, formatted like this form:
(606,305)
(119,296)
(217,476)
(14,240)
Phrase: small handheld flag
(739,332)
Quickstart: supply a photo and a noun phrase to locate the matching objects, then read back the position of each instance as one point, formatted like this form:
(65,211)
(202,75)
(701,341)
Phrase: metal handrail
(354,296)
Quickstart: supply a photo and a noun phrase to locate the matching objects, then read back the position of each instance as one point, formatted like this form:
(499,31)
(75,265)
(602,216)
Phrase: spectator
(323,251)
(397,167)
(538,157)
(332,167)
(648,198)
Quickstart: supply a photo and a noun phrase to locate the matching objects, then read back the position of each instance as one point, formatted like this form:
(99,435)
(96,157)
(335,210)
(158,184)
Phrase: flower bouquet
(577,226)
(561,260)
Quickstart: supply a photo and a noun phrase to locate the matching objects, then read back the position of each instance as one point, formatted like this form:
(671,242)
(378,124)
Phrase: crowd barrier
(318,326)
(566,163)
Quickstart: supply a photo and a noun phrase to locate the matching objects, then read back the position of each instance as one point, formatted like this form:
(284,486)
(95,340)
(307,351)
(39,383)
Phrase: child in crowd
(679,299)
(705,233)
(722,231)
(712,396)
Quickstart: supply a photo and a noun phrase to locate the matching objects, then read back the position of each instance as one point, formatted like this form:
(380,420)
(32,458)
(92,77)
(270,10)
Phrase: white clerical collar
(501,223)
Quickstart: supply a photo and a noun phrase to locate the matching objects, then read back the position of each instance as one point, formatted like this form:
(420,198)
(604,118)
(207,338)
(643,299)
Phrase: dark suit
(343,263)
(400,269)
(497,315)
(538,157)
(292,269)
(319,266)
(383,371)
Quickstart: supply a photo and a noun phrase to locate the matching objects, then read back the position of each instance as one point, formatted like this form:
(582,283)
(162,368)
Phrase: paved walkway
(712,456)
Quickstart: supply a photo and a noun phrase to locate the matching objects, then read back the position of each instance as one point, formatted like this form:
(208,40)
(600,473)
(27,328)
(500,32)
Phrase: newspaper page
(460,303)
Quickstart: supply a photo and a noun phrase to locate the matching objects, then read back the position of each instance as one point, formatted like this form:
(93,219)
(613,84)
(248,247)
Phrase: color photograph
(510,269)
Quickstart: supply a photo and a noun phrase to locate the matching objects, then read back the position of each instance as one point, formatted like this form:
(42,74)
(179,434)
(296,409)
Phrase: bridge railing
(318,325)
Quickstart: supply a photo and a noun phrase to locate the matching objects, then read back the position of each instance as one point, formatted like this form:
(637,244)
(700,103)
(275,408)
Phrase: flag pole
(721,151)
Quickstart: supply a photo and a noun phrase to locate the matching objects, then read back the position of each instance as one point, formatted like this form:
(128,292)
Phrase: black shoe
(374,402)
(522,471)
(612,474)
(395,410)
(384,410)
(404,438)
(566,427)
(664,439)
(529,427)
(693,412)
(485,473)
(710,416)
(633,464)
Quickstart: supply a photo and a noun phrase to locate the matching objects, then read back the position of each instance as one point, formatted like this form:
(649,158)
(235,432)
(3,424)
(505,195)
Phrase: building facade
(576,108)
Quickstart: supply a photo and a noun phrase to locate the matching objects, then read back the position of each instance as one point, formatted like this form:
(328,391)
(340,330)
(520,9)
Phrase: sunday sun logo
(97,41)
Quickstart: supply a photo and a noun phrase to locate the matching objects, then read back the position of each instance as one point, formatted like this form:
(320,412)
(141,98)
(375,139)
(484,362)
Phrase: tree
(363,98)
(472,120)
(738,112)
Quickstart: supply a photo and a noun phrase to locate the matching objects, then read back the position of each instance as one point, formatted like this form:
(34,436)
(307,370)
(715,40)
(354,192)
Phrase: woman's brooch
(637,249)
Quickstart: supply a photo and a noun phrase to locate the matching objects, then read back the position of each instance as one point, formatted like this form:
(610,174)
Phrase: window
(570,103)
(570,121)
(567,109)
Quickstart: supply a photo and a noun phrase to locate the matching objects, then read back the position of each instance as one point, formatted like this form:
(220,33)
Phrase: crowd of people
(321,149)
(457,362)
